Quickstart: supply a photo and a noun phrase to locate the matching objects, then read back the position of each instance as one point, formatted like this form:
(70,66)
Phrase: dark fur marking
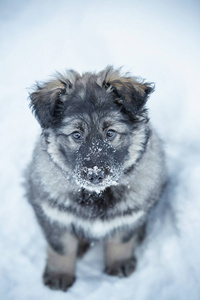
(62,150)
(141,153)
(140,232)
(83,247)
(128,96)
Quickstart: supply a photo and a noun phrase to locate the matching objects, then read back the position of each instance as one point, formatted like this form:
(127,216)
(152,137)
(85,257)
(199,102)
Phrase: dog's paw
(122,268)
(57,281)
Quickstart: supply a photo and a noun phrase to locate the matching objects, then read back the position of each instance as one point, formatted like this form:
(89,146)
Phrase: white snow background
(157,40)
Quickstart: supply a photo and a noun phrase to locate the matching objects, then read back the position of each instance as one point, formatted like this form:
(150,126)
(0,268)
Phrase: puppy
(97,169)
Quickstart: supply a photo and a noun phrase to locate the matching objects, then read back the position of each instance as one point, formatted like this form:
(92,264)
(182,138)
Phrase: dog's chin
(96,188)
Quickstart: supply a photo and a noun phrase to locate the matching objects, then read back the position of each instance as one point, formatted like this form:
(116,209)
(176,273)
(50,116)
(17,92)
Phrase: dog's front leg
(119,253)
(59,273)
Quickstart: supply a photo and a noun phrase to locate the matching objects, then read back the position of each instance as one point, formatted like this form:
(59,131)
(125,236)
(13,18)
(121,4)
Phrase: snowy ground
(158,40)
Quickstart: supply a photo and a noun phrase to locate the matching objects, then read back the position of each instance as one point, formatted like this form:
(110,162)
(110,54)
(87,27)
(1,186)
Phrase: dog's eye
(110,134)
(77,136)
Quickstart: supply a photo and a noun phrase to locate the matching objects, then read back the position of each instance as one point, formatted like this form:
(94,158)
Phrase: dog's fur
(97,169)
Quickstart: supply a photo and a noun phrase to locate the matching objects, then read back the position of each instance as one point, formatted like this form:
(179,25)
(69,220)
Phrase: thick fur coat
(97,169)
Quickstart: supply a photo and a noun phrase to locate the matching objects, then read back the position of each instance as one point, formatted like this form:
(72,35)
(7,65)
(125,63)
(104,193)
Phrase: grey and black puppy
(97,169)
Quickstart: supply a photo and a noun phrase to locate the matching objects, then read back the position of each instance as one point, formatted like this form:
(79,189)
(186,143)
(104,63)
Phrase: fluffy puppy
(97,169)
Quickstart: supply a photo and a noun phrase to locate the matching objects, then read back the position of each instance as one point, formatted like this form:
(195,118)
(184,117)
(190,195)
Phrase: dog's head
(94,126)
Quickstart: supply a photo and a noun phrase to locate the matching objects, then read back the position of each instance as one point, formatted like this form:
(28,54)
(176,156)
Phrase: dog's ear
(130,92)
(48,98)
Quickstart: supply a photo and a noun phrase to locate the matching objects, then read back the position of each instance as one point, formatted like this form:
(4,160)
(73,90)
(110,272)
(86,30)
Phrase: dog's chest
(91,215)
(92,228)
(96,205)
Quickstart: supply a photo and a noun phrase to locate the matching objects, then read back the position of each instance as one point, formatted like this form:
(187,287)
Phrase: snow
(157,40)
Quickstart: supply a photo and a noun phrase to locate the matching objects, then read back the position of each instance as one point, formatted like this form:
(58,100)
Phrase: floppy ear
(48,98)
(130,92)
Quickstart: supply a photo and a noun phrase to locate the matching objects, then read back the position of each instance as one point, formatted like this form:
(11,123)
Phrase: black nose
(95,177)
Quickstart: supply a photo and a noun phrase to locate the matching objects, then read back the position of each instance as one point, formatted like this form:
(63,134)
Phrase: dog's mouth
(96,179)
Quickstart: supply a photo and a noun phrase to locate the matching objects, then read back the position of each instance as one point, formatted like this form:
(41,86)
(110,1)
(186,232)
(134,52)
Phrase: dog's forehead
(94,119)
(91,106)
(89,101)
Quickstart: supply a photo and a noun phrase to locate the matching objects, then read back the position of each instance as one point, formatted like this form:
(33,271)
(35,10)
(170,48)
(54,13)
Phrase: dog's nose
(95,177)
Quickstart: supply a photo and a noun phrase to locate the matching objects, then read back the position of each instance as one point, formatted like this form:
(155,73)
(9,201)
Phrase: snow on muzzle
(96,168)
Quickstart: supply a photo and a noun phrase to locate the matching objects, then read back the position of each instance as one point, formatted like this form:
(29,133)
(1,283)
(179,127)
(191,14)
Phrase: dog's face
(94,126)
